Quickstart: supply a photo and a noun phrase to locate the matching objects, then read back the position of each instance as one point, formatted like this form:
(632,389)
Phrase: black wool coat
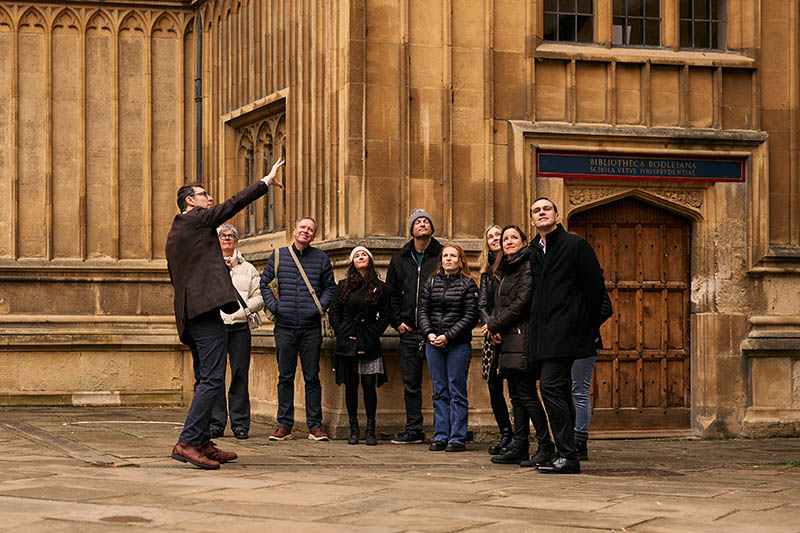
(358,324)
(405,279)
(513,301)
(448,305)
(198,272)
(568,290)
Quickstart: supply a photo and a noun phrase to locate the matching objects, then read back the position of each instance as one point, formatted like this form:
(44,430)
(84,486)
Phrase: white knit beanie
(360,249)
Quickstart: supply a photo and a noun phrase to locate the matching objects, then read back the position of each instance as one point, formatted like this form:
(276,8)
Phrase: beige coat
(246,279)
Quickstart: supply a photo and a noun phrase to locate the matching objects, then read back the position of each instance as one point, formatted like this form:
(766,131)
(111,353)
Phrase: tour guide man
(203,288)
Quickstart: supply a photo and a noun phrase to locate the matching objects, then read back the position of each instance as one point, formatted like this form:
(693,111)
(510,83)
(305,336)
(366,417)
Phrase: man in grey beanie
(408,270)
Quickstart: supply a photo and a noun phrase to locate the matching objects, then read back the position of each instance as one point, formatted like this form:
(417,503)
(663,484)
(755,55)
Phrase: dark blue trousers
(289,343)
(208,341)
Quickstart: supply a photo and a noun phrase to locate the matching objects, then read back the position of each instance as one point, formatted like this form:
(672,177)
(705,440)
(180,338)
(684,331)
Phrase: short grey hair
(299,220)
(228,227)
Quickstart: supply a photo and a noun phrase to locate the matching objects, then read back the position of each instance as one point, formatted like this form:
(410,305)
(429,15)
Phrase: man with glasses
(203,288)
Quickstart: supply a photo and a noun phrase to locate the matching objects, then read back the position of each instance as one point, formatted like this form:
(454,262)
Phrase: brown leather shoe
(281,433)
(317,434)
(215,454)
(188,453)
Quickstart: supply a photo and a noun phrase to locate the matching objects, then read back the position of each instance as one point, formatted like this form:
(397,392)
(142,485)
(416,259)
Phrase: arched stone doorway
(642,376)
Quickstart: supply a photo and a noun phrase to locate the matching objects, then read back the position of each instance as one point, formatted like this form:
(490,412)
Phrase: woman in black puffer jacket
(508,327)
(448,310)
(492,250)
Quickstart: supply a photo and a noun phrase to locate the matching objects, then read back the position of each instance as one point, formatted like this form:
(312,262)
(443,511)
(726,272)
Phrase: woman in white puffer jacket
(246,280)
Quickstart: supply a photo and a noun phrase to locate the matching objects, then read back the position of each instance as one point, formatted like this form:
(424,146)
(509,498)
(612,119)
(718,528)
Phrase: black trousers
(527,407)
(555,382)
(206,337)
(411,369)
(306,343)
(238,392)
(497,399)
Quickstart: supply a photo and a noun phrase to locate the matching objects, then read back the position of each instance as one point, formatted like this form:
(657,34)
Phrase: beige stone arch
(100,21)
(67,20)
(687,203)
(5,20)
(164,25)
(188,27)
(133,21)
(32,18)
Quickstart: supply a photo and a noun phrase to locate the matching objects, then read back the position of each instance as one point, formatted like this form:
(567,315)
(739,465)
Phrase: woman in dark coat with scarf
(448,310)
(359,315)
(508,327)
(492,250)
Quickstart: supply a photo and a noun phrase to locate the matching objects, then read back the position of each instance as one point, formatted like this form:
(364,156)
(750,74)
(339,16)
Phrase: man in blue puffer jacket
(297,325)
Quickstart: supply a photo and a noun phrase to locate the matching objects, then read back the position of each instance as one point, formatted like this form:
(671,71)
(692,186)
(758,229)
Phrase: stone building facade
(468,108)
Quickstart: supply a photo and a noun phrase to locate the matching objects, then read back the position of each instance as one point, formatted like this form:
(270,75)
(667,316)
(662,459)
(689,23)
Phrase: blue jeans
(449,367)
(582,370)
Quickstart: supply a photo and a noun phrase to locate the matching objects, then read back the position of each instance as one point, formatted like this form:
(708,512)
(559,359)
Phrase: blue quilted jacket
(294,307)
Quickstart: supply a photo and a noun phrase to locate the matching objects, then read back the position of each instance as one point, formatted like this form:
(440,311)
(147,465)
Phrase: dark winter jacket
(295,308)
(513,302)
(487,293)
(199,275)
(357,323)
(568,291)
(405,279)
(448,305)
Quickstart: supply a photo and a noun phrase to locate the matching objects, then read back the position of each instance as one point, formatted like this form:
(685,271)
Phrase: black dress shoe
(241,434)
(582,450)
(437,446)
(512,456)
(216,432)
(501,446)
(561,465)
(455,447)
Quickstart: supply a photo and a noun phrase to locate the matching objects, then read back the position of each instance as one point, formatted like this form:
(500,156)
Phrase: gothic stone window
(636,23)
(568,21)
(260,144)
(702,24)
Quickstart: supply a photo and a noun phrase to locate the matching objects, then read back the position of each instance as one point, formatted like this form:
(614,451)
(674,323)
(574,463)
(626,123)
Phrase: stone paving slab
(62,471)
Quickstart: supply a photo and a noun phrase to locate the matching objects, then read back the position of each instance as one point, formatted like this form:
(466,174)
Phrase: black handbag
(514,351)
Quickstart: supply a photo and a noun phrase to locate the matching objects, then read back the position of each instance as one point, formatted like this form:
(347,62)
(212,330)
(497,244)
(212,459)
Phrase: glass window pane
(716,9)
(686,9)
(550,27)
(585,7)
(636,31)
(701,35)
(635,8)
(701,9)
(566,28)
(652,33)
(585,29)
(686,34)
(653,8)
(714,36)
(619,7)
(566,6)
(550,5)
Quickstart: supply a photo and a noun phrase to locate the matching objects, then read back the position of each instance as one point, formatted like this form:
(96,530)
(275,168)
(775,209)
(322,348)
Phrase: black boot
(370,437)
(582,450)
(516,452)
(353,431)
(544,455)
(505,439)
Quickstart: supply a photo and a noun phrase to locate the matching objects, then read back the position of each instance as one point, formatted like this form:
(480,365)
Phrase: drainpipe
(198,98)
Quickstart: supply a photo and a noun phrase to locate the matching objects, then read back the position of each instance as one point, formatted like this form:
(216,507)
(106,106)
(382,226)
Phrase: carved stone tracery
(583,195)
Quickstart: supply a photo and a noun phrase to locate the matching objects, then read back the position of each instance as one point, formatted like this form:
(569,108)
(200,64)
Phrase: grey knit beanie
(419,213)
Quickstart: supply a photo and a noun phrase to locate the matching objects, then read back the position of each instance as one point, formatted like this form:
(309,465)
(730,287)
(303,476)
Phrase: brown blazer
(199,275)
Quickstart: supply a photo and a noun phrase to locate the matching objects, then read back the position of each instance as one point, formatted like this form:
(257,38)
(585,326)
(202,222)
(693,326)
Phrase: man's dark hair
(555,209)
(185,192)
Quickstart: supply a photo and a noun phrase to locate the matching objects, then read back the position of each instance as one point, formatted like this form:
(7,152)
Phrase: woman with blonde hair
(448,310)
(492,250)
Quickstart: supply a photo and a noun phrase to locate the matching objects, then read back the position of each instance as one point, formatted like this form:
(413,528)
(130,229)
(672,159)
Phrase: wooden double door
(641,379)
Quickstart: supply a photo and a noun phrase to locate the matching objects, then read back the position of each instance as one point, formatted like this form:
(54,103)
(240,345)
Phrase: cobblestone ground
(108,469)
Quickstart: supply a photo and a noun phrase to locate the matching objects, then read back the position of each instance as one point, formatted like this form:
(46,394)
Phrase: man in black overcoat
(203,288)
(565,322)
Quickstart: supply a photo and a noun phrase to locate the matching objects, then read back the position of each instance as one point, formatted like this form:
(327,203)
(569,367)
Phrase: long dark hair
(354,280)
(501,257)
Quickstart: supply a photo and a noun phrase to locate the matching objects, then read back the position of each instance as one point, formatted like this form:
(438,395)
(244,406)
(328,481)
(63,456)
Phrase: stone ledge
(772,336)
(771,422)
(90,398)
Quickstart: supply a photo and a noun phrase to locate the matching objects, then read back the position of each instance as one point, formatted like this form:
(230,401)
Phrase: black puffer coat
(448,305)
(357,323)
(513,304)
